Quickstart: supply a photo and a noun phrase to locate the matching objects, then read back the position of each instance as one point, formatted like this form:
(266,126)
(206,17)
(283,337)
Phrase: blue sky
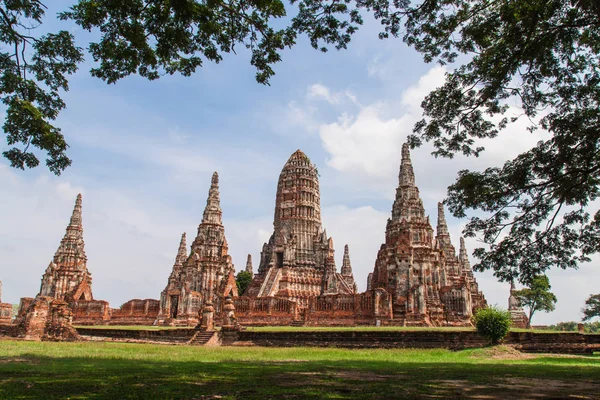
(143,154)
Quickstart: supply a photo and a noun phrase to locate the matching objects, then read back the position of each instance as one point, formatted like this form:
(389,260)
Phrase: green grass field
(43,370)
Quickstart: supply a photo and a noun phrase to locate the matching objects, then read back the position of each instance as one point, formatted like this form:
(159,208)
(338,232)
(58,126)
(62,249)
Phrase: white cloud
(319,91)
(363,143)
(295,115)
(368,142)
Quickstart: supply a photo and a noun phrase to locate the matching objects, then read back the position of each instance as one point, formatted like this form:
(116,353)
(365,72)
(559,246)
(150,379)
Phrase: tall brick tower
(298,261)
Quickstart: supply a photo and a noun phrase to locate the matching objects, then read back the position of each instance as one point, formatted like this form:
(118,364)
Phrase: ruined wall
(91,312)
(330,310)
(135,312)
(5,310)
(574,343)
(5,313)
(262,311)
(98,312)
(181,335)
(24,304)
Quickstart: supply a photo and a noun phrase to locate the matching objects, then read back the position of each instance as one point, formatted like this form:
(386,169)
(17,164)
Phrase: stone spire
(212,212)
(442,228)
(210,241)
(72,247)
(76,216)
(346,267)
(443,236)
(67,277)
(249,263)
(463,256)
(182,251)
(407,175)
(408,204)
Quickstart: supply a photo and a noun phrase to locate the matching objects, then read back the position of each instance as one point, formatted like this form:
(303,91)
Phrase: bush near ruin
(493,323)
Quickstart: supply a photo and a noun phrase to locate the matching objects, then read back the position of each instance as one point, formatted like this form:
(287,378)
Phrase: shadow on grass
(41,377)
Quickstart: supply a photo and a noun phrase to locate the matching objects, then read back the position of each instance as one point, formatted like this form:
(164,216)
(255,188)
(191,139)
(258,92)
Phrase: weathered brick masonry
(531,342)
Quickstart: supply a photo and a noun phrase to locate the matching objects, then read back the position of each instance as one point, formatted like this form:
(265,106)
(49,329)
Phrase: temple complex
(67,277)
(298,262)
(517,315)
(418,278)
(205,275)
(428,283)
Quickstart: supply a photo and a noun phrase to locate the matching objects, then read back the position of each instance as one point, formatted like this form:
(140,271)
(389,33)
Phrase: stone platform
(530,342)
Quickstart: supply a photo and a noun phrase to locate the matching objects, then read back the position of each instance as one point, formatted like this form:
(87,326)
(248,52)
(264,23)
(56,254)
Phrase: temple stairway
(200,338)
(271,283)
(301,321)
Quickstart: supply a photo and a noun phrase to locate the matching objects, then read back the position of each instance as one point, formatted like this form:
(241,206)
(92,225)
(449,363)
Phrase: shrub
(493,323)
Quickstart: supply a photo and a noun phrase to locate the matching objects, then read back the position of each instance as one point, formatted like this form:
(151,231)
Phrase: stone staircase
(200,338)
(269,286)
(297,322)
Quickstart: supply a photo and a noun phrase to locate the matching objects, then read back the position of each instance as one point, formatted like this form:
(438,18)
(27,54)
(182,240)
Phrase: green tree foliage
(571,326)
(492,323)
(592,307)
(153,38)
(537,297)
(33,70)
(242,280)
(543,56)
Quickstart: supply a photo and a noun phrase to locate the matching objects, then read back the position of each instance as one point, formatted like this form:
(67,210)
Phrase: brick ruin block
(91,312)
(59,324)
(5,310)
(518,317)
(207,317)
(204,275)
(428,283)
(46,318)
(298,262)
(135,312)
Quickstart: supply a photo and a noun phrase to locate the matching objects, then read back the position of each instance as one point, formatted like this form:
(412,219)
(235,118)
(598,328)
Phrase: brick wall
(5,313)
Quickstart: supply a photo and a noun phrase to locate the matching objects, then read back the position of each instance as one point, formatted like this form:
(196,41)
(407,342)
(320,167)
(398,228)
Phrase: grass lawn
(44,370)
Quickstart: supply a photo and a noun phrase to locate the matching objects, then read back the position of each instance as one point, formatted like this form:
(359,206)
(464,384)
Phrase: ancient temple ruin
(5,310)
(67,277)
(249,264)
(428,283)
(298,262)
(518,317)
(207,274)
(418,278)
(66,280)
